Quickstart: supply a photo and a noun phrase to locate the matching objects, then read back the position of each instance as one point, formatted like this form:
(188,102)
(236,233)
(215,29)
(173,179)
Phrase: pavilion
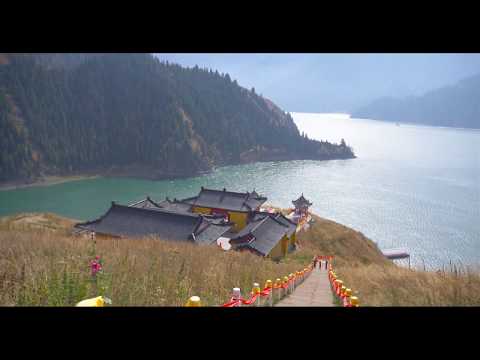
(301,205)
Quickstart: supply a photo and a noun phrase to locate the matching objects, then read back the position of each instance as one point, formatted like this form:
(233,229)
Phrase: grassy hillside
(52,268)
(378,281)
(49,268)
(44,222)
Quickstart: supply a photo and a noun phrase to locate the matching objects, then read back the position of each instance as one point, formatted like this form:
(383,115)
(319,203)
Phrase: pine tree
(116,110)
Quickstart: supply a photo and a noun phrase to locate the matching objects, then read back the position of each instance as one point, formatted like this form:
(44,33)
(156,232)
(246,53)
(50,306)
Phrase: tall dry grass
(391,285)
(50,269)
(44,222)
(377,281)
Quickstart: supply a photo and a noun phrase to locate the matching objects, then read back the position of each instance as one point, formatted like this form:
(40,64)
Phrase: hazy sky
(335,82)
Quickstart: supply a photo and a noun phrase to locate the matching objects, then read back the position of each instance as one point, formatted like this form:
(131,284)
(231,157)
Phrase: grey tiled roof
(301,201)
(146,203)
(267,235)
(267,230)
(175,205)
(249,227)
(137,222)
(167,204)
(131,221)
(229,200)
(211,233)
(254,203)
(292,227)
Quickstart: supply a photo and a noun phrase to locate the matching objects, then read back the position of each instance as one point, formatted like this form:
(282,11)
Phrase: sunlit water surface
(415,187)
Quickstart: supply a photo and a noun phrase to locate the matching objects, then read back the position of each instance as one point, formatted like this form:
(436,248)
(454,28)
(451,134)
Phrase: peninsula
(133,115)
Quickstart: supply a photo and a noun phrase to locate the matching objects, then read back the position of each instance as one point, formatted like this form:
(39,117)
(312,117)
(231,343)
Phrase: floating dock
(397,254)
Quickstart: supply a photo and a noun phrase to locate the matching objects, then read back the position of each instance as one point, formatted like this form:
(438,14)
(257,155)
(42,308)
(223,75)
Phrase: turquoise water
(411,186)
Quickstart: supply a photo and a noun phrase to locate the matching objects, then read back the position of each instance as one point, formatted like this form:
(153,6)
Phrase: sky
(335,82)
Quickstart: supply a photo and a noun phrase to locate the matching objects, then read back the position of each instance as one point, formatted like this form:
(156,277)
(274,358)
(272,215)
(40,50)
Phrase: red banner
(266,291)
(232,303)
(250,301)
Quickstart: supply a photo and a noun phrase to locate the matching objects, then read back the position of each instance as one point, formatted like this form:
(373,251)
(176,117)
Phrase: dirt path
(315,291)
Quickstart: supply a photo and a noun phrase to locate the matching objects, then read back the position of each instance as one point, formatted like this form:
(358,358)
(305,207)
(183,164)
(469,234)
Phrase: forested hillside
(136,115)
(455,106)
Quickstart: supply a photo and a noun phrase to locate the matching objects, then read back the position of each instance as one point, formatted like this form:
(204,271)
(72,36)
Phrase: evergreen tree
(131,109)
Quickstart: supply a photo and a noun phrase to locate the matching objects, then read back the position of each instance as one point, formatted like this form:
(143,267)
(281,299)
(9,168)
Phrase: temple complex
(206,218)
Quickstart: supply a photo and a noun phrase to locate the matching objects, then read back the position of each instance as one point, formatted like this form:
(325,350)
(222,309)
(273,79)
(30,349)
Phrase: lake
(411,186)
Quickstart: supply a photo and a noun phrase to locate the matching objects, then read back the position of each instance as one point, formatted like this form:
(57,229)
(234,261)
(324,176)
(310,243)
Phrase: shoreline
(45,181)
(143,173)
(423,125)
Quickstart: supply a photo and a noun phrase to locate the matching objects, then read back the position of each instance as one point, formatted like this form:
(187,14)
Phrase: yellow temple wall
(293,238)
(240,220)
(276,252)
(201,210)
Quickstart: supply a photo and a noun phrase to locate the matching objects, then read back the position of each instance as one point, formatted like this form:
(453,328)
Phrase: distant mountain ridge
(454,106)
(132,115)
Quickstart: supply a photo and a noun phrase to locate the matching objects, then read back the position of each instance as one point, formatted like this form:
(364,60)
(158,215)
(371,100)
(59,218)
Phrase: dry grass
(45,222)
(327,237)
(396,286)
(378,281)
(49,269)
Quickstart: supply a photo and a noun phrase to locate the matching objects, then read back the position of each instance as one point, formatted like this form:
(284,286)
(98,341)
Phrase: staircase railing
(340,290)
(275,291)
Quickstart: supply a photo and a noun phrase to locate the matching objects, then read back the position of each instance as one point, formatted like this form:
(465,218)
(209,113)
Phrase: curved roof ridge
(260,222)
(278,221)
(226,191)
(301,199)
(138,202)
(228,200)
(286,218)
(145,202)
(154,202)
(210,223)
(200,220)
(160,210)
(99,218)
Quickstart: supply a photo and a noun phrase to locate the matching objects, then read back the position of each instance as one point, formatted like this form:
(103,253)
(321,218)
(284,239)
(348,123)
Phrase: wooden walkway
(315,291)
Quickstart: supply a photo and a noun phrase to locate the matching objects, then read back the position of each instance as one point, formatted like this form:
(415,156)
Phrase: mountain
(66,61)
(456,106)
(132,115)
